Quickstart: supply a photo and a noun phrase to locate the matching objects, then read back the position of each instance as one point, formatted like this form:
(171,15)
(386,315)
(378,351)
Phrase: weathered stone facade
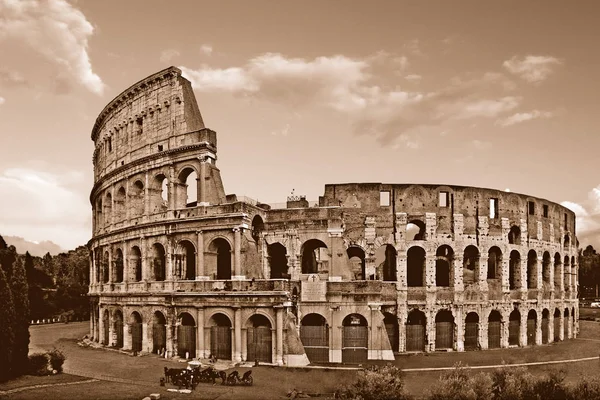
(372,269)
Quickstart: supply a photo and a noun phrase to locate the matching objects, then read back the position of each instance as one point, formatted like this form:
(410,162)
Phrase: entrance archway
(531,327)
(556,325)
(494,330)
(259,339)
(391,327)
(136,331)
(355,339)
(118,328)
(314,257)
(566,320)
(314,334)
(186,336)
(415,331)
(222,249)
(545,325)
(220,336)
(278,261)
(159,333)
(472,331)
(356,257)
(105,322)
(514,328)
(444,330)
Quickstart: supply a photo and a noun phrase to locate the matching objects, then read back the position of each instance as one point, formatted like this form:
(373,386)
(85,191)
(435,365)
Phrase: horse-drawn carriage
(191,377)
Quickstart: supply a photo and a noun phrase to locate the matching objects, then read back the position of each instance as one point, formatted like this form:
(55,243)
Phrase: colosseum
(182,269)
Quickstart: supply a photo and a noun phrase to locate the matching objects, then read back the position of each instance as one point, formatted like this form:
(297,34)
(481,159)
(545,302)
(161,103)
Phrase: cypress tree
(7,321)
(20,297)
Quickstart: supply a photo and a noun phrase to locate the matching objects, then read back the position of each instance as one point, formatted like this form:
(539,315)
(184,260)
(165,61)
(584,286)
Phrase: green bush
(376,383)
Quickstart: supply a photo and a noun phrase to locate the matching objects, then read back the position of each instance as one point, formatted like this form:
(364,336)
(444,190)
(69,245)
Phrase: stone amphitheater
(182,269)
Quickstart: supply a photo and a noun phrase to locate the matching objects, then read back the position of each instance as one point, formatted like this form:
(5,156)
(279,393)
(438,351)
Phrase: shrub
(376,383)
(46,363)
(57,359)
(461,384)
(585,389)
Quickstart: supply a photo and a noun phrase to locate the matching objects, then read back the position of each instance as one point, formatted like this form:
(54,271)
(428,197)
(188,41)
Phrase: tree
(376,383)
(20,297)
(7,337)
(589,272)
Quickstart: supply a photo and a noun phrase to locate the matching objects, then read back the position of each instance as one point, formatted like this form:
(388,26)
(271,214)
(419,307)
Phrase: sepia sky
(499,94)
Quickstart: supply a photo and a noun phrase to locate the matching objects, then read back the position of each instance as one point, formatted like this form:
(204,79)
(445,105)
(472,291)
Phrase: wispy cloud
(413,78)
(285,131)
(168,54)
(533,69)
(587,215)
(518,118)
(2,100)
(56,30)
(206,49)
(10,78)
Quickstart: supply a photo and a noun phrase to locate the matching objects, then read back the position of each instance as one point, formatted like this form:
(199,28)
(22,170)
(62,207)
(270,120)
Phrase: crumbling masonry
(180,268)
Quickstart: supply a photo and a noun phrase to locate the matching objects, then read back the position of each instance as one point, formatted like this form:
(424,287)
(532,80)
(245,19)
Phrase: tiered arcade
(179,267)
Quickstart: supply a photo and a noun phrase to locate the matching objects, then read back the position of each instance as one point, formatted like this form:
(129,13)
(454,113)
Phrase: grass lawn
(589,312)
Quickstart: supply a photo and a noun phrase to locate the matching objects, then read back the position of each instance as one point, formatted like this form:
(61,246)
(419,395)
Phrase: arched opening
(105,322)
(119,266)
(105,267)
(187,188)
(257,227)
(531,327)
(495,330)
(356,258)
(186,336)
(532,267)
(107,209)
(278,262)
(385,259)
(355,339)
(556,324)
(566,324)
(572,322)
(443,266)
(99,215)
(314,257)
(545,325)
(220,336)
(391,327)
(158,262)
(120,204)
(159,195)
(494,264)
(415,331)
(514,235)
(220,258)
(546,261)
(415,267)
(567,274)
(136,199)
(135,322)
(444,330)
(135,264)
(159,333)
(259,339)
(185,261)
(557,272)
(470,265)
(314,334)
(118,329)
(514,328)
(514,268)
(415,230)
(472,331)
(567,242)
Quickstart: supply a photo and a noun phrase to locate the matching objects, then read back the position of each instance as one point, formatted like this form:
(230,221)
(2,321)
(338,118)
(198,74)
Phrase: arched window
(514,270)
(514,235)
(158,262)
(546,266)
(187,188)
(120,205)
(532,266)
(220,254)
(470,265)
(135,264)
(444,266)
(136,199)
(119,266)
(494,267)
(356,256)
(415,230)
(314,257)
(278,262)
(185,261)
(385,259)
(415,260)
(258,226)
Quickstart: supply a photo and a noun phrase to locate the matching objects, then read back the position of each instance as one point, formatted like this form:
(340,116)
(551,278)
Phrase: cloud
(206,49)
(481,144)
(285,131)
(587,216)
(167,55)
(44,206)
(522,117)
(413,78)
(356,88)
(9,78)
(533,69)
(57,31)
(2,100)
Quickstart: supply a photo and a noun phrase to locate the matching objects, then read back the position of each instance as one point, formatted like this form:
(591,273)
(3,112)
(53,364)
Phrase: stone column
(523,273)
(125,266)
(459,320)
(430,271)
(539,273)
(550,326)
(237,246)
(568,321)
(561,325)
(505,273)
(112,206)
(144,262)
(169,257)
(126,202)
(145,342)
(92,332)
(126,331)
(538,327)
(92,268)
(523,328)
(237,333)
(279,352)
(401,267)
(111,273)
(100,325)
(458,273)
(504,331)
(169,338)
(171,194)
(146,197)
(482,278)
(202,183)
(200,346)
(199,254)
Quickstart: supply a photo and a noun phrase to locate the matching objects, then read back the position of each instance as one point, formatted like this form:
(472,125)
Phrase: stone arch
(159,262)
(514,270)
(416,230)
(187,187)
(220,335)
(135,264)
(107,208)
(444,330)
(159,333)
(532,268)
(186,336)
(415,266)
(546,261)
(120,204)
(159,194)
(470,265)
(135,323)
(494,264)
(514,235)
(444,266)
(545,326)
(356,258)
(355,338)
(259,341)
(278,261)
(185,260)
(136,199)
(105,267)
(557,274)
(514,328)
(314,257)
(385,259)
(531,327)
(472,331)
(258,226)
(415,330)
(392,328)
(566,242)
(105,323)
(118,328)
(314,334)
(218,258)
(494,330)
(119,266)
(556,324)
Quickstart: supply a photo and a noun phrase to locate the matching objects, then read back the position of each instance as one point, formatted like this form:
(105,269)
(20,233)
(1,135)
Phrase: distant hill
(35,249)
